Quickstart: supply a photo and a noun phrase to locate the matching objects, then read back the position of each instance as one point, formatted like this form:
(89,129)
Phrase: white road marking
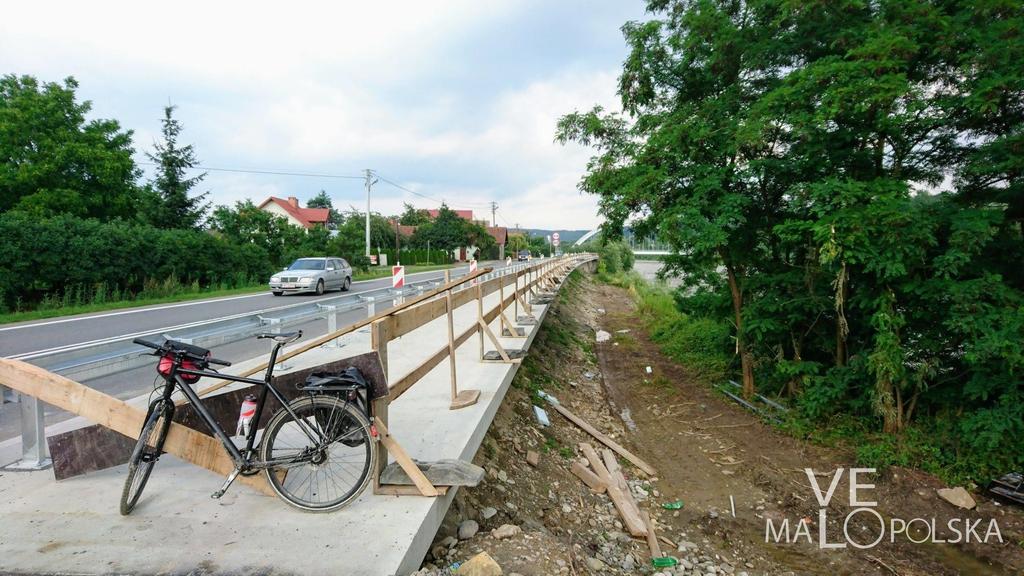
(179,305)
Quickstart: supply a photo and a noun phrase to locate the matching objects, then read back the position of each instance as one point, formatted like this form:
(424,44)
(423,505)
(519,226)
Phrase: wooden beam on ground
(652,538)
(619,481)
(185,443)
(593,481)
(647,468)
(595,462)
(630,519)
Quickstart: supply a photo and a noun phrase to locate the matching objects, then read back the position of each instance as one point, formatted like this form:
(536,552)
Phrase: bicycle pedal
(227,483)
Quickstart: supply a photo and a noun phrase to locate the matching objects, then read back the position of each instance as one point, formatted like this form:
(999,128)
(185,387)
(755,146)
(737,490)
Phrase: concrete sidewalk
(74,526)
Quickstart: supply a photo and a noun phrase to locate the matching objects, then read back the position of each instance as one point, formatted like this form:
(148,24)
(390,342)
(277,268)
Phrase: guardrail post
(35,454)
(332,322)
(275,327)
(371,305)
(3,394)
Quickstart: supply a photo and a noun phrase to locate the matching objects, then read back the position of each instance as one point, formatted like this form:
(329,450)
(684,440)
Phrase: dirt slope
(706,449)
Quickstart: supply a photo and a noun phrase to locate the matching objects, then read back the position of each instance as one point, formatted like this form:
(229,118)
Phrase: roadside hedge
(46,257)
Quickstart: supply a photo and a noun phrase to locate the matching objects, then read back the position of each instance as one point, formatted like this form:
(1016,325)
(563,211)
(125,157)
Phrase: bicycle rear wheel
(319,476)
(146,453)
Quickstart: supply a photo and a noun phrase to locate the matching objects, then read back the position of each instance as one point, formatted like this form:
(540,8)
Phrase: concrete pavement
(74,525)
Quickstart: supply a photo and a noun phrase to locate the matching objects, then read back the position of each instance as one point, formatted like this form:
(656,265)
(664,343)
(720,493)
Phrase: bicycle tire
(145,454)
(349,427)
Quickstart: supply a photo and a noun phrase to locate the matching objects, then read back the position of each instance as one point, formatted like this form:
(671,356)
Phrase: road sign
(397,276)
(472,266)
(554,237)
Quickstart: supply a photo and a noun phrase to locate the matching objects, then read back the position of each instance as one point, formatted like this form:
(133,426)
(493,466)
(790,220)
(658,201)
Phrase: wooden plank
(451,342)
(596,463)
(589,478)
(647,468)
(494,340)
(394,490)
(615,471)
(652,538)
(403,459)
(183,442)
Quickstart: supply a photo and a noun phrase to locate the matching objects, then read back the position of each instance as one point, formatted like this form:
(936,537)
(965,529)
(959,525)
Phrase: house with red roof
(499,233)
(296,215)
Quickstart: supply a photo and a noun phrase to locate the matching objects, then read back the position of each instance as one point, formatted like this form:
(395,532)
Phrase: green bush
(67,260)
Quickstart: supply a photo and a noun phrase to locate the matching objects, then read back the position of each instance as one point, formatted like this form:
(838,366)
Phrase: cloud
(455,99)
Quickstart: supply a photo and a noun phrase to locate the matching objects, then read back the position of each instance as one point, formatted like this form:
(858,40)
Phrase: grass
(385,271)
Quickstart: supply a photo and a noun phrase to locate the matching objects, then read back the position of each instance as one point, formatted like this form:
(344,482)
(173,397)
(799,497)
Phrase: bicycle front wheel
(322,475)
(146,453)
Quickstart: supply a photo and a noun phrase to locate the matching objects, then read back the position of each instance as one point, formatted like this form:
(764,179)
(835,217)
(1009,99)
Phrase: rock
(511,506)
(957,497)
(628,563)
(532,458)
(595,564)
(468,529)
(439,552)
(480,565)
(502,475)
(589,375)
(506,531)
(685,545)
(488,512)
(603,336)
(449,541)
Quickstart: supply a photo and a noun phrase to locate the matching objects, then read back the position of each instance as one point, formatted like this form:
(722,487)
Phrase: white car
(316,275)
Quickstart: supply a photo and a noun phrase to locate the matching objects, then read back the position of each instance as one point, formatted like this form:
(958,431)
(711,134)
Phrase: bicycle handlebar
(147,344)
(217,361)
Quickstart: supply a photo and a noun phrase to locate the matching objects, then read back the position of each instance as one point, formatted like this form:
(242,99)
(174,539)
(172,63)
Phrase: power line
(270,172)
(399,187)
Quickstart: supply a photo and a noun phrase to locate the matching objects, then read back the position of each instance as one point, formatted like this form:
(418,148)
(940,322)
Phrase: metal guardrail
(96,359)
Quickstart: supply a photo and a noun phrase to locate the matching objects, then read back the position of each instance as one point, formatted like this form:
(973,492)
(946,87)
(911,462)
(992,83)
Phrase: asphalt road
(29,337)
(36,336)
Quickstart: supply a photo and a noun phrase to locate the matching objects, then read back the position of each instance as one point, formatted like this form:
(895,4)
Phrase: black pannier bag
(348,384)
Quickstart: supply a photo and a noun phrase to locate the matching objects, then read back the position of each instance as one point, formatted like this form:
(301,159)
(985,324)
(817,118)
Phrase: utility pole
(494,207)
(398,259)
(369,184)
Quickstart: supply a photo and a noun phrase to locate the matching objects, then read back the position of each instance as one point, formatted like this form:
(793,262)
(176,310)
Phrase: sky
(456,100)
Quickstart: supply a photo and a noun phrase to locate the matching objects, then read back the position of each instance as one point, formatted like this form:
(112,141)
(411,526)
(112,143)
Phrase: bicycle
(317,450)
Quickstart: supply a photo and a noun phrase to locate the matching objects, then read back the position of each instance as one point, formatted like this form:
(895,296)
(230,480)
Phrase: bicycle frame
(242,461)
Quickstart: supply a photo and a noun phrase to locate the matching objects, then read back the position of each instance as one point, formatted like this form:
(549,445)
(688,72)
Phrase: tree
(245,223)
(322,200)
(516,242)
(52,161)
(446,232)
(412,216)
(797,157)
(168,204)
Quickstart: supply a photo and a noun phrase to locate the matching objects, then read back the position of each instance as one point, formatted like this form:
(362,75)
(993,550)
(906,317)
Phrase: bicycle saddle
(283,337)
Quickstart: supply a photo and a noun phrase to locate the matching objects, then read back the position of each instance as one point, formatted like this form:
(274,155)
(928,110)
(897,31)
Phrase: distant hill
(567,237)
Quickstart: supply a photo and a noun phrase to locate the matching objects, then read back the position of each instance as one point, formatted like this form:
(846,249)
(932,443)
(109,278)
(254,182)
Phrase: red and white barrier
(397,276)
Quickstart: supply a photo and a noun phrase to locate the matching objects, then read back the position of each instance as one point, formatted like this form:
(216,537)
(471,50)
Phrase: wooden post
(379,342)
(466,397)
(480,316)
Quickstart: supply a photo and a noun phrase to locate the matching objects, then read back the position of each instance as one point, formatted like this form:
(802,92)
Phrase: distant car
(316,275)
(524,255)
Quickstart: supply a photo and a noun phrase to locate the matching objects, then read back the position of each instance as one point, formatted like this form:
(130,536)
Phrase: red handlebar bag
(167,362)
